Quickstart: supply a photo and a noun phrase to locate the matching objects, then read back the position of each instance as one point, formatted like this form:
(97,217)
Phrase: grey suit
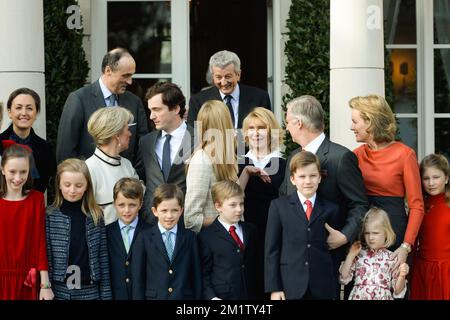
(73,137)
(149,170)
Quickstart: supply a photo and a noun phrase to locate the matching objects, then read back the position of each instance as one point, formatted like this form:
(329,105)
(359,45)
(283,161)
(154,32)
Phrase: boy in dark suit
(166,262)
(228,248)
(298,264)
(128,198)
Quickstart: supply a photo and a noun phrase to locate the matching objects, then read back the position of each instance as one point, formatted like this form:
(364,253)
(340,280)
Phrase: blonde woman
(389,168)
(214,160)
(261,175)
(76,236)
(109,129)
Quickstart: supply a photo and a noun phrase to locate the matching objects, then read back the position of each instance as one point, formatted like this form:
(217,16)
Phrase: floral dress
(374,275)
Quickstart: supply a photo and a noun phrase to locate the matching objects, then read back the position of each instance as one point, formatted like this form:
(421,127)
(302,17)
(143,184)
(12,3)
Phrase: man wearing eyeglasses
(118,66)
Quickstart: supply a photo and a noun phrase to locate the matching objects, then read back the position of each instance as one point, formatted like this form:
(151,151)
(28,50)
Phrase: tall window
(417,35)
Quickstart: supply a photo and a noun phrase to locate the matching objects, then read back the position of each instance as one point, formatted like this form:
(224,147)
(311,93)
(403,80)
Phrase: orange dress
(22,246)
(430,274)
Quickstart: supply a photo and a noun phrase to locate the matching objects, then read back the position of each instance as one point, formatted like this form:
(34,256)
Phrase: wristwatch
(406,246)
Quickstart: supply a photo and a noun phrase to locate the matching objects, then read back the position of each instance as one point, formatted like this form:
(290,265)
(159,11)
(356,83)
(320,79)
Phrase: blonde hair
(89,206)
(107,122)
(377,113)
(215,129)
(310,112)
(377,215)
(224,190)
(268,118)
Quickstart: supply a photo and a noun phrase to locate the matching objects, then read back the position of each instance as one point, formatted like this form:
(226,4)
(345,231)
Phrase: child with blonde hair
(372,264)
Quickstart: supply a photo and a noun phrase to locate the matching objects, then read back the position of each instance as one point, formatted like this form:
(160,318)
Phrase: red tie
(308,209)
(236,238)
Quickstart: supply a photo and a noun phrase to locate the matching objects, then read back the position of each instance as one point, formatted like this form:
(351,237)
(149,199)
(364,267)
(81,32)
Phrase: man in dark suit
(225,67)
(110,90)
(172,141)
(342,182)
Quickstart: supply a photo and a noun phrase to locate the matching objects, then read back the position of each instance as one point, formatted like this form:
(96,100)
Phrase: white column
(356,60)
(22,53)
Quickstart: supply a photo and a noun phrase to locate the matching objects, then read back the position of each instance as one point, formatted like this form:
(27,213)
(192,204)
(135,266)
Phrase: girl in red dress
(23,256)
(430,276)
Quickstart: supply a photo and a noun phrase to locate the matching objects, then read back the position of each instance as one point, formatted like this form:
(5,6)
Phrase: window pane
(400,21)
(408,132)
(442,136)
(403,65)
(144,29)
(442,80)
(441,21)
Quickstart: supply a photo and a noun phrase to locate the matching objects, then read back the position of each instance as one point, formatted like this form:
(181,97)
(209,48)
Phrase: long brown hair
(439,162)
(89,206)
(12,152)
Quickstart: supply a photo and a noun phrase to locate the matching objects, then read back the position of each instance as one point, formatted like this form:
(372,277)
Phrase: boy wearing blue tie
(228,248)
(128,197)
(166,263)
(298,264)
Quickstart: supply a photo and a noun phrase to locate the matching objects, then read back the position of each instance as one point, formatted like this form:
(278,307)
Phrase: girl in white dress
(371,264)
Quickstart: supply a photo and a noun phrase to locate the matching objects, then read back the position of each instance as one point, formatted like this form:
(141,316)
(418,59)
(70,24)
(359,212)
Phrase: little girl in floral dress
(371,264)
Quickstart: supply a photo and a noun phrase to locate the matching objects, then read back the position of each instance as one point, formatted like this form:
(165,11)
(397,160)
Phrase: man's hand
(335,238)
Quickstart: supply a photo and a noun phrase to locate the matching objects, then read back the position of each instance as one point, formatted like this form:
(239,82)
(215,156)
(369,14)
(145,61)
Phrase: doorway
(235,25)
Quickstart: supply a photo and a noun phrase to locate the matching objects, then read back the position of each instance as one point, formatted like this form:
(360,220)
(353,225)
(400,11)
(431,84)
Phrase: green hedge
(308,55)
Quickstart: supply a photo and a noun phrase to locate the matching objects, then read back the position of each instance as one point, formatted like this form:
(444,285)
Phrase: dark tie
(166,158)
(236,237)
(227,100)
(112,100)
(309,209)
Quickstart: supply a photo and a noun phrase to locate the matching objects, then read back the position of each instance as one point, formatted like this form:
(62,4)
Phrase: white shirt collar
(227,226)
(162,229)
(113,161)
(133,224)
(303,199)
(178,133)
(105,90)
(314,145)
(261,164)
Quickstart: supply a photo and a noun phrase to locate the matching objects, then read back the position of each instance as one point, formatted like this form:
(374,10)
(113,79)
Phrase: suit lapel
(185,150)
(244,102)
(246,233)
(117,238)
(322,152)
(179,242)
(158,241)
(317,211)
(297,207)
(98,100)
(222,233)
(153,139)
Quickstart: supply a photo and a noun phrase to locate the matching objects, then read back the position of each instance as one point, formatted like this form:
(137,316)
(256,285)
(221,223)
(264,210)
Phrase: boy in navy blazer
(228,248)
(166,262)
(298,264)
(128,198)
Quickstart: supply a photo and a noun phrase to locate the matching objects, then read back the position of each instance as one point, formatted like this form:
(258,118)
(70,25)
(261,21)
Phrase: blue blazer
(154,277)
(296,250)
(120,260)
(57,227)
(228,273)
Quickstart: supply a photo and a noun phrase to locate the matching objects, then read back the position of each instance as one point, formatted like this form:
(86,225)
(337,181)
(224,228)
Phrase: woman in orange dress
(430,276)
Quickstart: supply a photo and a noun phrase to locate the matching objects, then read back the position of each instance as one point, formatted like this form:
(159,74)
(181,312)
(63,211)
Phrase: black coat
(120,260)
(43,154)
(249,98)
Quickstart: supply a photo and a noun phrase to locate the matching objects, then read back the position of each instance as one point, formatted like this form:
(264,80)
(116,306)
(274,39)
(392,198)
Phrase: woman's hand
(401,255)
(355,248)
(254,171)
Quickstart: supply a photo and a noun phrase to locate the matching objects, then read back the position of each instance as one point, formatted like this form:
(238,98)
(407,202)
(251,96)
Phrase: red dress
(22,246)
(430,274)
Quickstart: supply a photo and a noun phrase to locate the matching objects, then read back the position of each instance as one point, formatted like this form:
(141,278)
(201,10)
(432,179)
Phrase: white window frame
(179,15)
